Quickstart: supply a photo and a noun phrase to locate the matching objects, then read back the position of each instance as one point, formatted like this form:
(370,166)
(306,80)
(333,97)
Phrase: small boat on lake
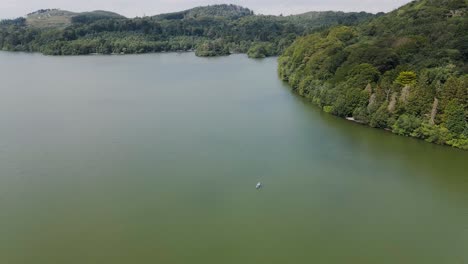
(258,186)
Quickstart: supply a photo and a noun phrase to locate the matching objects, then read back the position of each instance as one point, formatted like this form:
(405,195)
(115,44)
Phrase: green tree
(260,50)
(363,74)
(406,124)
(455,117)
(461,142)
(212,48)
(454,89)
(406,78)
(360,114)
(380,118)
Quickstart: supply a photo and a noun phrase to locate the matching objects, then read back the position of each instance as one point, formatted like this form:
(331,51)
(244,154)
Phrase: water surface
(154,159)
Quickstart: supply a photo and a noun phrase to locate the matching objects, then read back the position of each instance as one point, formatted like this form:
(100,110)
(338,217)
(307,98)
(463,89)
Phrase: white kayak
(258,186)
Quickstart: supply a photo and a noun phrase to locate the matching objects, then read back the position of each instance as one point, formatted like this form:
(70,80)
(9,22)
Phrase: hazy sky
(132,8)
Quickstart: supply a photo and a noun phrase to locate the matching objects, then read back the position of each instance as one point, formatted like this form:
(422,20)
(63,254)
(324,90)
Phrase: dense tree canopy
(405,71)
(234,27)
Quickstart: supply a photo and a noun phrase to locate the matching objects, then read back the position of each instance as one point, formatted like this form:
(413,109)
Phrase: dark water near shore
(154,159)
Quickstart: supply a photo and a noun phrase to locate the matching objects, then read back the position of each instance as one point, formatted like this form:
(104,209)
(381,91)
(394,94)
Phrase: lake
(154,159)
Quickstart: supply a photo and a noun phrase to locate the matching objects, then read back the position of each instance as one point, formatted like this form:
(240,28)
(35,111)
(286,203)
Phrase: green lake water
(154,159)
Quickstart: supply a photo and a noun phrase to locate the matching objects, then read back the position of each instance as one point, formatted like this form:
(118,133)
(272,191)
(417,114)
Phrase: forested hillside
(215,30)
(405,71)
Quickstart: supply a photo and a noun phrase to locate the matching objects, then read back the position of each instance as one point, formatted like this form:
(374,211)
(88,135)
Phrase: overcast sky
(132,8)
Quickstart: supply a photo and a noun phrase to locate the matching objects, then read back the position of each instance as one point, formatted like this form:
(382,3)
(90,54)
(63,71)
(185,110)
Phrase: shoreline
(123,54)
(353,120)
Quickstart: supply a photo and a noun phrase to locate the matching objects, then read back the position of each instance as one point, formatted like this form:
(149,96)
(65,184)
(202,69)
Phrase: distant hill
(56,18)
(405,71)
(224,10)
(88,17)
(317,20)
(46,18)
(334,17)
